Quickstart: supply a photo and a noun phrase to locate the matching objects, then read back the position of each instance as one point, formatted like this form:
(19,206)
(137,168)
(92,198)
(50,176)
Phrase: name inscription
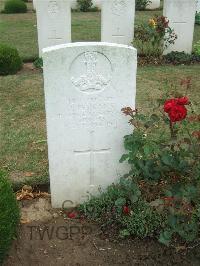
(53,9)
(92,114)
(118,7)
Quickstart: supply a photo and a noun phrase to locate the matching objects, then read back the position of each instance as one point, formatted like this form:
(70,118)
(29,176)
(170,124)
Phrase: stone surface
(181,15)
(86,85)
(154,4)
(53,22)
(34,4)
(117,21)
(197,6)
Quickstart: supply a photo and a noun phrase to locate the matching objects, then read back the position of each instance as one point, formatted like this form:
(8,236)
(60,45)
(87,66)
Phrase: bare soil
(47,237)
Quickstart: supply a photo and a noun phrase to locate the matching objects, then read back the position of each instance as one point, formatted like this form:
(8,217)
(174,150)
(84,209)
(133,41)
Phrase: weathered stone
(86,85)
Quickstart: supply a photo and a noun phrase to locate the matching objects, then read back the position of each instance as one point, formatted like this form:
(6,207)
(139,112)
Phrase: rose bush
(160,196)
(152,37)
(163,152)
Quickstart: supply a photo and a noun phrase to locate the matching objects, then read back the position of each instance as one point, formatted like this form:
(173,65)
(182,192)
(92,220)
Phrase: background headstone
(117,21)
(86,85)
(34,4)
(53,22)
(154,4)
(198,6)
(181,15)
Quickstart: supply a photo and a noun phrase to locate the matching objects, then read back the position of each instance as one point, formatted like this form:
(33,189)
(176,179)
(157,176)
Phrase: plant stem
(171,129)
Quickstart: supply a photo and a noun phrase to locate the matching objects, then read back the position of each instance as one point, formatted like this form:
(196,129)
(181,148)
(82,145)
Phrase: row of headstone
(117,22)
(153,4)
(54,22)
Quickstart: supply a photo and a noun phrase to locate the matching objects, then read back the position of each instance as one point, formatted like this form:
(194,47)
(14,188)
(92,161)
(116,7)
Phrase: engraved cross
(118,34)
(53,35)
(92,151)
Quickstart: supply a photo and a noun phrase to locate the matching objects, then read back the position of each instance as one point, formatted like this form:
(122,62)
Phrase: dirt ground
(47,237)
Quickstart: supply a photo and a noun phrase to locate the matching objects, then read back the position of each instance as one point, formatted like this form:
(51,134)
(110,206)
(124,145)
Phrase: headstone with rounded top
(86,86)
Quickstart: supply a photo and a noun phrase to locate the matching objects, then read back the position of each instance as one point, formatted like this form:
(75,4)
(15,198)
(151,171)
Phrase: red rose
(126,210)
(169,104)
(183,100)
(72,215)
(177,113)
(176,109)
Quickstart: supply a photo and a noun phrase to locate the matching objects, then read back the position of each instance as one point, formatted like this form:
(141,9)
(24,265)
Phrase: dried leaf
(179,248)
(28,174)
(24,221)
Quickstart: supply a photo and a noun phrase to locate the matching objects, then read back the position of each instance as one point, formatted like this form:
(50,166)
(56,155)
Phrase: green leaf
(133,198)
(124,233)
(123,158)
(148,124)
(172,220)
(155,117)
(165,237)
(156,203)
(147,150)
(167,159)
(120,202)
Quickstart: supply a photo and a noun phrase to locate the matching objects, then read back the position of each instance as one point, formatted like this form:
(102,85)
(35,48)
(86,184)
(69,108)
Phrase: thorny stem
(171,129)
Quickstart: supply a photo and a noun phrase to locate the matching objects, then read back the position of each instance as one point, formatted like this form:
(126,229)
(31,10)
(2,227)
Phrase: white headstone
(117,21)
(53,22)
(153,4)
(97,3)
(197,6)
(34,4)
(86,85)
(181,15)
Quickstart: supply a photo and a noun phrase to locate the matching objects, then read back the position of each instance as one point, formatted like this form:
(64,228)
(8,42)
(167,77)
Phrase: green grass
(20,30)
(23,134)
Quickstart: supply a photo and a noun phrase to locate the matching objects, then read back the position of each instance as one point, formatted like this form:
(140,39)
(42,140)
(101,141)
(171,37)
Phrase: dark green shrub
(9,216)
(196,58)
(178,58)
(10,61)
(38,63)
(84,5)
(141,4)
(122,208)
(94,9)
(197,48)
(15,6)
(197,18)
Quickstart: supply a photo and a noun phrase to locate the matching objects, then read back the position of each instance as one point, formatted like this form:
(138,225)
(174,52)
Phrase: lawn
(21,30)
(22,115)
